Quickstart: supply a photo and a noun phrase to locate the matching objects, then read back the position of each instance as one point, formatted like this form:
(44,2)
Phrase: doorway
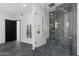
(10,30)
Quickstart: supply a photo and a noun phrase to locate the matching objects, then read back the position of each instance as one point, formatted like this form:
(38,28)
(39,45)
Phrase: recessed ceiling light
(24,5)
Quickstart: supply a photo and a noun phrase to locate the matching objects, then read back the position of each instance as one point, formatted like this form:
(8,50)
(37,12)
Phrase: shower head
(51,5)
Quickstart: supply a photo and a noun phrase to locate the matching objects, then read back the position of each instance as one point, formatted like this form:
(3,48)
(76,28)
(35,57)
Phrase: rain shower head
(51,5)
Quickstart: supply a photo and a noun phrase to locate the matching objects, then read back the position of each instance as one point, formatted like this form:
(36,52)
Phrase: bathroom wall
(41,25)
(59,26)
(25,19)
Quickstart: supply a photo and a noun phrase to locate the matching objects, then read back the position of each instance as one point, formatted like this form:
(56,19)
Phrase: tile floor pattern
(16,49)
(22,49)
(52,49)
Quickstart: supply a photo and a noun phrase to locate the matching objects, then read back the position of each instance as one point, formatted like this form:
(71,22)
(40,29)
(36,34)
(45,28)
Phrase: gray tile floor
(52,49)
(22,49)
(16,49)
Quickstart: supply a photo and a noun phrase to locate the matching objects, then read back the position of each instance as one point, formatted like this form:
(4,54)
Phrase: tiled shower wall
(66,30)
(59,31)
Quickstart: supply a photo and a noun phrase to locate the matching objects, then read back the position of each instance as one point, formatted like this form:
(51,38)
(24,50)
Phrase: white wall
(25,19)
(3,16)
(18,31)
(28,19)
(42,20)
(78,29)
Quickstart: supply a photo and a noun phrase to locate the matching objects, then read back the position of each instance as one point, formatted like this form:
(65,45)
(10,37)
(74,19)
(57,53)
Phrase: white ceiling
(15,8)
(45,5)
